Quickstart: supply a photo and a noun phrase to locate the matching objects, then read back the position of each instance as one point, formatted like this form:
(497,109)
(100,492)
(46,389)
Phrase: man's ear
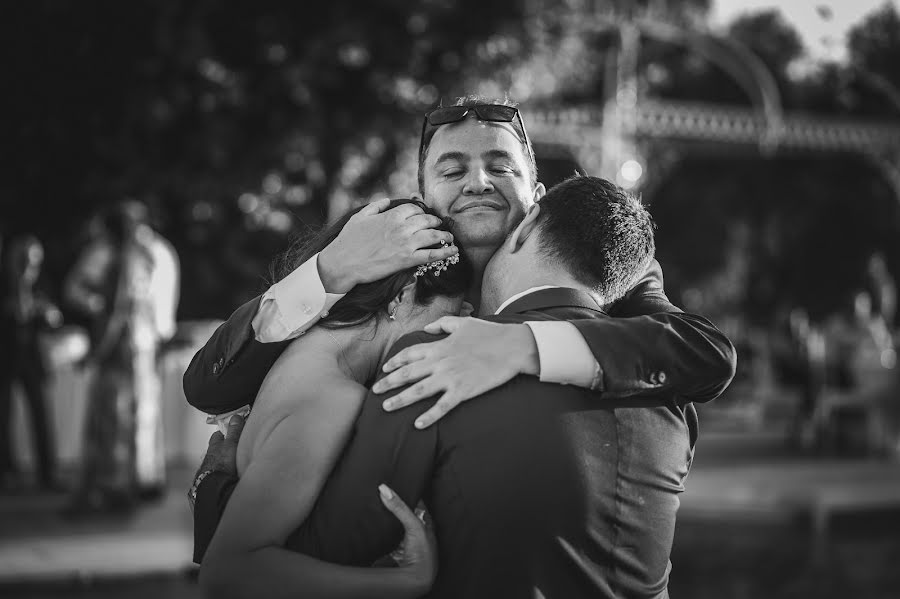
(406,294)
(539,192)
(526,228)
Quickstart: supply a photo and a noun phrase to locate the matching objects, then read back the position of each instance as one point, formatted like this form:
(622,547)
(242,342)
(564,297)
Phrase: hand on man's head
(377,242)
(221,455)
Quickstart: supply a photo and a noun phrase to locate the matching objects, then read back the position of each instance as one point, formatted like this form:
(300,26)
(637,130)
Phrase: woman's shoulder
(298,387)
(304,361)
(307,372)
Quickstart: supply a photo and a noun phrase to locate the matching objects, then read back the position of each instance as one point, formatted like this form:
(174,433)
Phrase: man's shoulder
(560,313)
(411,339)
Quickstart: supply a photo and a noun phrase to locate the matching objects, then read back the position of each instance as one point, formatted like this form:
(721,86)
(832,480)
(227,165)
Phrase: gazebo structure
(630,135)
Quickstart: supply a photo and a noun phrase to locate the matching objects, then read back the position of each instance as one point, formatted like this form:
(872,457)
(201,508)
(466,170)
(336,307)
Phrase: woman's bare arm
(278,488)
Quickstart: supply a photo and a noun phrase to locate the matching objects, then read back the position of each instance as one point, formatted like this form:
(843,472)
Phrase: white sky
(823,37)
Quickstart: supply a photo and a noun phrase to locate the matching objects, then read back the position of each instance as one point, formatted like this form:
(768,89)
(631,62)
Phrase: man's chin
(480,228)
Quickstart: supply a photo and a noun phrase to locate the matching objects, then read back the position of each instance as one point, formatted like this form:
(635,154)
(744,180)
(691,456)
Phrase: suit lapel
(555,297)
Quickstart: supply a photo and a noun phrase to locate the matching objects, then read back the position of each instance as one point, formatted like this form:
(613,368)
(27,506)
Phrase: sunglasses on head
(496,113)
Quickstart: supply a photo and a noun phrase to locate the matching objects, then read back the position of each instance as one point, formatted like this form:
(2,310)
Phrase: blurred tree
(240,122)
(874,48)
(236,121)
(745,233)
(686,72)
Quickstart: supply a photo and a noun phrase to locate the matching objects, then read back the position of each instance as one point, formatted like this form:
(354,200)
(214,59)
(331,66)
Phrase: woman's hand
(418,550)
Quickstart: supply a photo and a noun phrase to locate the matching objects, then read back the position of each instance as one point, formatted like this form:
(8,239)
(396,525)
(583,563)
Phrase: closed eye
(502,170)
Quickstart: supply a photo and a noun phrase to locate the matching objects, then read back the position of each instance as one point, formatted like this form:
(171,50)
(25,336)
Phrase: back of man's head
(600,233)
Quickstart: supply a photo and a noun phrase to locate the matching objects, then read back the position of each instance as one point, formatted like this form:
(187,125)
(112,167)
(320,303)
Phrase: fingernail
(376,388)
(420,424)
(387,405)
(385,492)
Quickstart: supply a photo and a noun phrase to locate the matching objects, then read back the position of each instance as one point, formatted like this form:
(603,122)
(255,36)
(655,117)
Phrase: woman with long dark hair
(301,420)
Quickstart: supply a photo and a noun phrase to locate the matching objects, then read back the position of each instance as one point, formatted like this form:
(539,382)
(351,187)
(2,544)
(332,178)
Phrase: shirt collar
(523,294)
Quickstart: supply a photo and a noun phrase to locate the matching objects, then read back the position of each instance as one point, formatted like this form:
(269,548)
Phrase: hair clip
(438,266)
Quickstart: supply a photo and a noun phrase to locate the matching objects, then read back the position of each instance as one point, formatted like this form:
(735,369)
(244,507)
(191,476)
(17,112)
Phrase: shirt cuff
(221,420)
(565,357)
(293,305)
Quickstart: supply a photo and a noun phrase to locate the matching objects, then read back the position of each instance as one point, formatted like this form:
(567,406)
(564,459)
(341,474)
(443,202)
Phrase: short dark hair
(602,234)
(476,100)
(365,301)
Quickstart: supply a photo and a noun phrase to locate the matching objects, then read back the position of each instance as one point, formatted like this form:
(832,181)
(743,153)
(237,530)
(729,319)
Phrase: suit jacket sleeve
(212,497)
(653,347)
(349,525)
(228,371)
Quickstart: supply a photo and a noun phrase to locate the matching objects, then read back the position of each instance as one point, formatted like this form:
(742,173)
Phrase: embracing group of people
(559,479)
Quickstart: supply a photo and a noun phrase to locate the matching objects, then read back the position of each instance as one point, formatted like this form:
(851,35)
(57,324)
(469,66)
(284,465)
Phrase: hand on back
(476,357)
(221,454)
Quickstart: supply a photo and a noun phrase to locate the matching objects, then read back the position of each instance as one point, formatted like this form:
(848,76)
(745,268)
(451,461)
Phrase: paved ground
(37,545)
(745,529)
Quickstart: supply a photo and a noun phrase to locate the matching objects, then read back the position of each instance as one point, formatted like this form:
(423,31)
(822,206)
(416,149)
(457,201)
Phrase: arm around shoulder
(227,371)
(651,346)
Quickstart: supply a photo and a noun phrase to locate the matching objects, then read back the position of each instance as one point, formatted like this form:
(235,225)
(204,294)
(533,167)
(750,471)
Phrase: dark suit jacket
(649,348)
(535,489)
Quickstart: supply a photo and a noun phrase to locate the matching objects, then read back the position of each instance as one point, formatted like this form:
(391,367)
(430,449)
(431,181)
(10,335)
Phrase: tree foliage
(242,122)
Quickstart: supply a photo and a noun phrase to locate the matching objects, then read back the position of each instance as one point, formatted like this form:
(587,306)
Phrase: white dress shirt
(565,357)
(294,304)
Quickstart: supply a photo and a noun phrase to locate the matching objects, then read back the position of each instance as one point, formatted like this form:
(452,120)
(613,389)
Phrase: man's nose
(478,182)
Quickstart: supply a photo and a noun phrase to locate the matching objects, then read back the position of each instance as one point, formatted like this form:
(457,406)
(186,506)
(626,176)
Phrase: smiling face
(477,174)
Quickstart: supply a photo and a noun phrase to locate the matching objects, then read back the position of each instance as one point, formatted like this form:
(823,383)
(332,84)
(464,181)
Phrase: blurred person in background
(882,288)
(24,313)
(801,359)
(861,363)
(860,346)
(126,281)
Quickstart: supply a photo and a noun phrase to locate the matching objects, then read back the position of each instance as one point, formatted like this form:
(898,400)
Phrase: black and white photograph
(450,299)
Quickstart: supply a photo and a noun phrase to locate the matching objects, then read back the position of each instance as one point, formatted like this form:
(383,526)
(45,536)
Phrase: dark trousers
(32,382)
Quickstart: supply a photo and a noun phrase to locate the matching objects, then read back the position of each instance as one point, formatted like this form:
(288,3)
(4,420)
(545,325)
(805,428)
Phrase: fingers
(444,324)
(429,237)
(406,374)
(438,410)
(424,256)
(396,506)
(410,354)
(215,439)
(235,427)
(426,518)
(424,389)
(404,211)
(375,207)
(423,221)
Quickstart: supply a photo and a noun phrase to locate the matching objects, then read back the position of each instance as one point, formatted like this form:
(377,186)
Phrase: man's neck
(529,279)
(479,257)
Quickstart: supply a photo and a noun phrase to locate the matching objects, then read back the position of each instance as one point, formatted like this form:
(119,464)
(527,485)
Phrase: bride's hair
(365,301)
